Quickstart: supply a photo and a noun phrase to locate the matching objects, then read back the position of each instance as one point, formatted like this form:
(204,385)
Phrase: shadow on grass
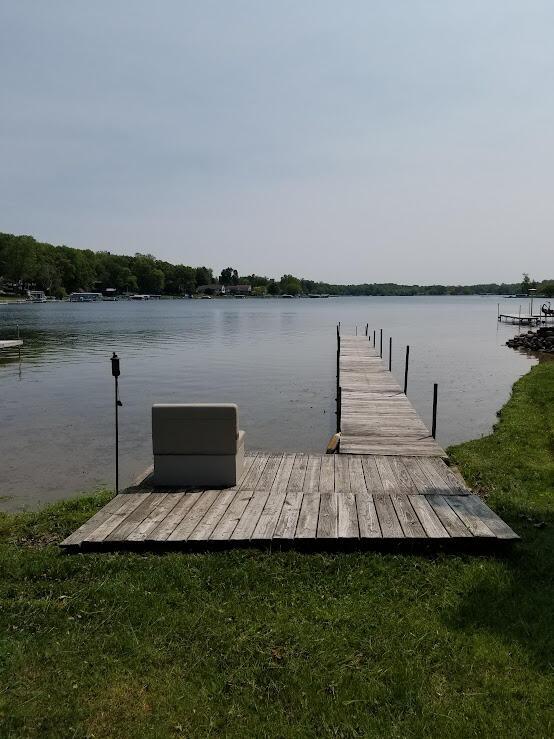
(515,602)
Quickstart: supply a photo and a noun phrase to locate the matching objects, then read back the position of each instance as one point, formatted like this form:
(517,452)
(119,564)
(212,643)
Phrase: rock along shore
(541,340)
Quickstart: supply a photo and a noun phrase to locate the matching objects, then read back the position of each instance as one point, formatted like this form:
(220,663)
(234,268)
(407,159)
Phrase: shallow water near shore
(276,358)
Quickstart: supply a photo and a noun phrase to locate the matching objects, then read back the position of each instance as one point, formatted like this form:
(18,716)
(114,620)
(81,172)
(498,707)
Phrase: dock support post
(339,404)
(434,426)
(366,328)
(390,353)
(338,372)
(381,345)
(406,370)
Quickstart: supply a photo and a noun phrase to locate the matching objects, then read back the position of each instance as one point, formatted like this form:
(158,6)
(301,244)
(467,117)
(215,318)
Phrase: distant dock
(521,318)
(10,343)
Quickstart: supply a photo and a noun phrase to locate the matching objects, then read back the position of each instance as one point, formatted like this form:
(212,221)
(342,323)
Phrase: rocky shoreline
(541,340)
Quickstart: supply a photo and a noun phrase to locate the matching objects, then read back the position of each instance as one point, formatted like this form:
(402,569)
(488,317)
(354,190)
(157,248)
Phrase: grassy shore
(253,644)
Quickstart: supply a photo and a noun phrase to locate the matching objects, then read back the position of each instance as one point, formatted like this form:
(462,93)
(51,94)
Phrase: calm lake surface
(275,358)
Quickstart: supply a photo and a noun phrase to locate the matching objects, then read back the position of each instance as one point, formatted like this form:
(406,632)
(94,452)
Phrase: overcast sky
(351,141)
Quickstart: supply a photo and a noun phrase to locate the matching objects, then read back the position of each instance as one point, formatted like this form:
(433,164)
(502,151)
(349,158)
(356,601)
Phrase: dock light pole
(390,353)
(406,370)
(381,345)
(115,374)
(434,426)
(337,400)
(532,291)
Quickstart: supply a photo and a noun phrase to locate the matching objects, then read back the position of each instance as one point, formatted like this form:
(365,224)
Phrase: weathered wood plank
(272,510)
(94,522)
(255,472)
(288,518)
(141,532)
(372,477)
(99,533)
(193,516)
(481,510)
(175,516)
(296,480)
(388,520)
(347,516)
(130,522)
(402,475)
(342,474)
(407,517)
(313,469)
(356,472)
(467,514)
(367,516)
(327,525)
(386,474)
(309,516)
(232,516)
(327,475)
(428,518)
(450,480)
(451,522)
(247,523)
(212,517)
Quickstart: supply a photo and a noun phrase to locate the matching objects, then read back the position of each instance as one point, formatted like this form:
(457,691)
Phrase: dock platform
(305,501)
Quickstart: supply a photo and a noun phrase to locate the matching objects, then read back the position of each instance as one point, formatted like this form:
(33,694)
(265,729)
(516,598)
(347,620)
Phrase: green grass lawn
(253,644)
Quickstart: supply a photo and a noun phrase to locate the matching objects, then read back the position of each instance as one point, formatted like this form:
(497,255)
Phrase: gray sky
(352,141)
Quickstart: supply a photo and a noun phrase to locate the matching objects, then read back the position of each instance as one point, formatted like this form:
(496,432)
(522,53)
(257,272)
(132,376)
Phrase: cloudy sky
(353,141)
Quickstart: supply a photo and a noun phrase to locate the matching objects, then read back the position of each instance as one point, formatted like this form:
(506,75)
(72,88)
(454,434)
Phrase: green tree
(290,285)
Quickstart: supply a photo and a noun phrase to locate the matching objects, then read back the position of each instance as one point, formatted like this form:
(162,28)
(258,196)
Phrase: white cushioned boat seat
(197,444)
(193,428)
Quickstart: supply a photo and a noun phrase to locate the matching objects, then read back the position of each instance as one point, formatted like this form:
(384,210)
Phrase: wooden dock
(11,343)
(376,417)
(301,500)
(521,318)
(388,485)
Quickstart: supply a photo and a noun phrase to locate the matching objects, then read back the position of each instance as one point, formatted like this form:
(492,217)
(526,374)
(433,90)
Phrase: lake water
(275,358)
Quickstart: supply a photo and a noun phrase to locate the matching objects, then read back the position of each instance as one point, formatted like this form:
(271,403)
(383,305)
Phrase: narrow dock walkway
(303,500)
(376,417)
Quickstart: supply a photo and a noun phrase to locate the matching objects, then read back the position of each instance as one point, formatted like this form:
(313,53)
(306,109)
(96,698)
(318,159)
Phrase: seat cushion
(210,428)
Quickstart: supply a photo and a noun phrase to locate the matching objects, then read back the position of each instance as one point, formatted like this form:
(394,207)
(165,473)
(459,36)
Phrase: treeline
(59,270)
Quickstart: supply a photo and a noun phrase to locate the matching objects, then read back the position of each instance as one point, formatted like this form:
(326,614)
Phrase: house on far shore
(213,289)
(238,289)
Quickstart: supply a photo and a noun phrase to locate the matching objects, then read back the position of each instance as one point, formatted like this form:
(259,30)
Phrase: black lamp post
(115,374)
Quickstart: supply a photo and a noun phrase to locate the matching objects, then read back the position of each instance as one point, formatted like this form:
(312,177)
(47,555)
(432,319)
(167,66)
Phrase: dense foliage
(58,270)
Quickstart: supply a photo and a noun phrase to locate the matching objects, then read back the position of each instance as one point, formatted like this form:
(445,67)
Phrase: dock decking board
(376,416)
(299,498)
